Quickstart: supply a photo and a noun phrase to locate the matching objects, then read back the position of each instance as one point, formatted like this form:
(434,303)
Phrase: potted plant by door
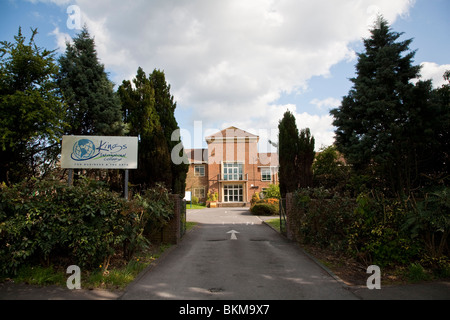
(211,200)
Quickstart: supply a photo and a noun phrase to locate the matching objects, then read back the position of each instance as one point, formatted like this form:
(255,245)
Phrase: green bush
(85,224)
(265,209)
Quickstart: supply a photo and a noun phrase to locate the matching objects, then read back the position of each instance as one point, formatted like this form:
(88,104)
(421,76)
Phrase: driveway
(232,255)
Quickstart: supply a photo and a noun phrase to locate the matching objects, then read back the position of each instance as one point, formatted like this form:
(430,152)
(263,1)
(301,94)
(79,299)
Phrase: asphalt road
(232,255)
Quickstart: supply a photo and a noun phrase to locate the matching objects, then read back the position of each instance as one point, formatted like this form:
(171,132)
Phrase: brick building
(232,167)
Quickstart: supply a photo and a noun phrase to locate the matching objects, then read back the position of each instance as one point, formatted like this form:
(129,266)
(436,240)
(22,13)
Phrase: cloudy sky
(239,63)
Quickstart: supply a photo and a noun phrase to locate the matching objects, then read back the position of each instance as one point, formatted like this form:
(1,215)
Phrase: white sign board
(92,152)
(187,196)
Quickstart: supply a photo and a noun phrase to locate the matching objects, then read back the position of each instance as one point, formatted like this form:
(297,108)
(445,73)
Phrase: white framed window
(266,174)
(233,171)
(233,193)
(200,193)
(199,171)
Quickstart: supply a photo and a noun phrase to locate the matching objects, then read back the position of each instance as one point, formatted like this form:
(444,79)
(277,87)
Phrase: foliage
(145,215)
(323,218)
(30,107)
(273,191)
(386,123)
(148,110)
(194,200)
(329,170)
(212,196)
(255,199)
(46,221)
(376,235)
(429,220)
(265,209)
(93,107)
(165,107)
(296,155)
(374,229)
(305,158)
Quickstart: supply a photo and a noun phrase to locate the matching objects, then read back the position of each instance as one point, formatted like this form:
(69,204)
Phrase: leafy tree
(93,107)
(165,108)
(30,107)
(329,170)
(385,121)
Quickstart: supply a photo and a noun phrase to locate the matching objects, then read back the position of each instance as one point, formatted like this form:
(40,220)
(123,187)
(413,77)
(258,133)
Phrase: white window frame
(233,169)
(202,192)
(199,173)
(233,193)
(265,169)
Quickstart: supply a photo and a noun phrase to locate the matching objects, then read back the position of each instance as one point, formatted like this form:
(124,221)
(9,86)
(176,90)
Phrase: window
(233,171)
(199,171)
(233,193)
(199,193)
(266,174)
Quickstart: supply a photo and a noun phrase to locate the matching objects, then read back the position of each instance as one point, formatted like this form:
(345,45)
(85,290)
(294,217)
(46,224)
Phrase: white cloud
(229,61)
(328,103)
(435,72)
(61,39)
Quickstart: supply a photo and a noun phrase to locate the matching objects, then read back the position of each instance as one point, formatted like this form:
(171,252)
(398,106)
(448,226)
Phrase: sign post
(94,152)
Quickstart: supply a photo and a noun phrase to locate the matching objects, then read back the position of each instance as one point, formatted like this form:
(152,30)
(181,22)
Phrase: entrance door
(233,193)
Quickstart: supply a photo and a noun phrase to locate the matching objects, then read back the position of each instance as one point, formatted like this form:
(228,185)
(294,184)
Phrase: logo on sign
(83,150)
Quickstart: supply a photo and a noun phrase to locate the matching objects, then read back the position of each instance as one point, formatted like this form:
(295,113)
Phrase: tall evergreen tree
(305,158)
(30,108)
(93,107)
(165,107)
(287,153)
(385,119)
(142,120)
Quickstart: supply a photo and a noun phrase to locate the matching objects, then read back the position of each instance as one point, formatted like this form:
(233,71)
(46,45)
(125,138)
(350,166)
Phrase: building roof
(231,133)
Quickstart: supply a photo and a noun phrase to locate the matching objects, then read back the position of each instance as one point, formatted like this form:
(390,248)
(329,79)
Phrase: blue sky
(240,63)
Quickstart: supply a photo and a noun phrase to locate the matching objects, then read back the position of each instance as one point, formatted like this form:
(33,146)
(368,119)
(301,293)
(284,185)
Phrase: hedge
(44,222)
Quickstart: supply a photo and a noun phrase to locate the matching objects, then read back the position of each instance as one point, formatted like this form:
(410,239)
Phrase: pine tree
(31,120)
(385,119)
(165,108)
(93,107)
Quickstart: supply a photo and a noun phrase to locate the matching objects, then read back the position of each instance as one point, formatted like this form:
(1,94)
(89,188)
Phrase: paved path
(232,255)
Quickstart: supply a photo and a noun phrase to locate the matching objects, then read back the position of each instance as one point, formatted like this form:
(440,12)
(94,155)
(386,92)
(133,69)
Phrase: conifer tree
(142,120)
(287,153)
(165,108)
(93,107)
(305,158)
(385,119)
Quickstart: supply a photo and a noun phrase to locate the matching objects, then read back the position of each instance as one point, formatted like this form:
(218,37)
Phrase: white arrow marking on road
(233,234)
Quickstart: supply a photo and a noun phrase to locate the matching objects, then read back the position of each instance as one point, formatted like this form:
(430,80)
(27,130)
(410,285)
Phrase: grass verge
(118,275)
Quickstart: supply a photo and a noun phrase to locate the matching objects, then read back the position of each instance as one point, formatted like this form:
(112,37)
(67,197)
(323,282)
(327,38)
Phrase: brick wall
(171,233)
(292,219)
